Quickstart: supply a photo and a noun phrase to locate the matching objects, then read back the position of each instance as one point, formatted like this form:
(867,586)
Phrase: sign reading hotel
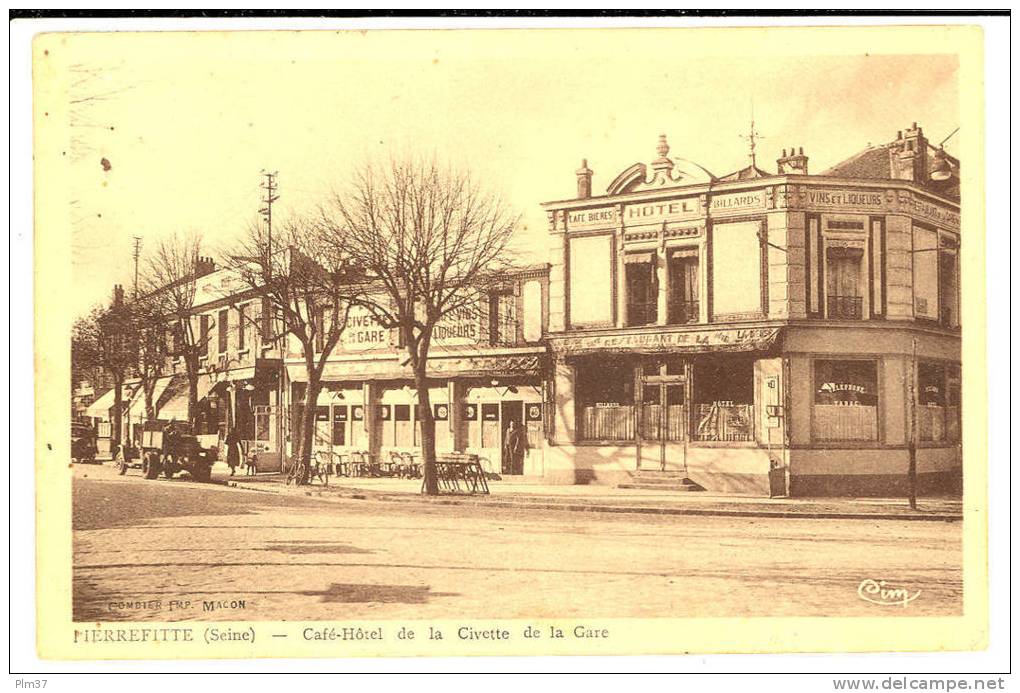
(658,212)
(752,339)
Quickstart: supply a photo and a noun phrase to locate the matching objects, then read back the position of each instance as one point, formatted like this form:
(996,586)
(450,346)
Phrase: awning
(683,252)
(686,342)
(100,409)
(638,258)
(176,406)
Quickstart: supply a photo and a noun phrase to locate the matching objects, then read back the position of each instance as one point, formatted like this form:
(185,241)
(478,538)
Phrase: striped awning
(638,258)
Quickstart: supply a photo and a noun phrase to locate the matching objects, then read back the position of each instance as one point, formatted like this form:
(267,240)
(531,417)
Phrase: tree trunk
(303,454)
(118,405)
(428,432)
(192,394)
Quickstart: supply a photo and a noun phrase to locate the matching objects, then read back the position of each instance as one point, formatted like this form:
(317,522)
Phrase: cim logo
(882,593)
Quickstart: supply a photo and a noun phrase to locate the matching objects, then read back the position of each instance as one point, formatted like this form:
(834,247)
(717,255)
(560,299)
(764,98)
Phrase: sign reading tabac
(750,339)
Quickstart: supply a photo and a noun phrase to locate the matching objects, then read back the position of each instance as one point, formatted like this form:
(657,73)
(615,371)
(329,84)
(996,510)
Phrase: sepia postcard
(509,342)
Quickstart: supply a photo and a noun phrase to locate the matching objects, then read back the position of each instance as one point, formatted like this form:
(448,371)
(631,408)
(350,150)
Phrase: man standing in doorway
(515,446)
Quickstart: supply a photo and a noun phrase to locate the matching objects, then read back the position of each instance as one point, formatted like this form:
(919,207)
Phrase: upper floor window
(843,282)
(642,292)
(222,330)
(503,318)
(949,289)
(204,333)
(683,286)
(242,326)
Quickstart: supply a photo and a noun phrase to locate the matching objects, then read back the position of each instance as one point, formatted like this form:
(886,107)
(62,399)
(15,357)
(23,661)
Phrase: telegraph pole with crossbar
(270,186)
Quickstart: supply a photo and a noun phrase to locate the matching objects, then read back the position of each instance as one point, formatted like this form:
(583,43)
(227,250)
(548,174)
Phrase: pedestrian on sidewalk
(233,450)
(516,447)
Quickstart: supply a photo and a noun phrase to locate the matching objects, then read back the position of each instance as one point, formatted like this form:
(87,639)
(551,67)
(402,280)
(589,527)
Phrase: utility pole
(270,186)
(136,253)
(912,443)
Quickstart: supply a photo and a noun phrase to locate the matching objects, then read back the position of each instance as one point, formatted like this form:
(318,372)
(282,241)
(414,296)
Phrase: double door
(663,424)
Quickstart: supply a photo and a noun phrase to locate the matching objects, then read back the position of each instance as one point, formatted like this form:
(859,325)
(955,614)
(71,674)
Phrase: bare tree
(169,281)
(151,327)
(118,351)
(307,289)
(433,241)
(86,347)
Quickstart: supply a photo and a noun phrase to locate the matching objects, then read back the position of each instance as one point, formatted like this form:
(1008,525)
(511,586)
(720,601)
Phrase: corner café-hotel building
(759,331)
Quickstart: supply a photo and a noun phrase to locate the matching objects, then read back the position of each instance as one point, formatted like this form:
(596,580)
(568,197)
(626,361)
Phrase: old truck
(170,447)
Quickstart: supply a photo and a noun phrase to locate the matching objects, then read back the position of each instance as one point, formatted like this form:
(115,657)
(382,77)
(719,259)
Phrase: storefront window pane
(846,400)
(938,403)
(605,399)
(723,398)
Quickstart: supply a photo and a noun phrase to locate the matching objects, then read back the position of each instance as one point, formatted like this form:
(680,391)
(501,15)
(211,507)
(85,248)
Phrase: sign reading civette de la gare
(734,339)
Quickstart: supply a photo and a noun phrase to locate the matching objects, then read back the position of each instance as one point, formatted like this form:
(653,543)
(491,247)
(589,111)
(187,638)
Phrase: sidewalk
(609,499)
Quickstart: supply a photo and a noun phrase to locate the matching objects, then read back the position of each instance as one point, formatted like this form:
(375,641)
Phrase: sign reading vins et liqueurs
(735,339)
(838,198)
(462,326)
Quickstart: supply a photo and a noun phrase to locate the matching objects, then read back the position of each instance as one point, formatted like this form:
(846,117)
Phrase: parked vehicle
(170,447)
(83,443)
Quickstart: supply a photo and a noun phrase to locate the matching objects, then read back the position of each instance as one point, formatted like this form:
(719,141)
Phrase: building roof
(872,162)
(748,173)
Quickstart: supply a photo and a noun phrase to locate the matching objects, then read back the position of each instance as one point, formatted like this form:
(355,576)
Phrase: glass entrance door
(663,425)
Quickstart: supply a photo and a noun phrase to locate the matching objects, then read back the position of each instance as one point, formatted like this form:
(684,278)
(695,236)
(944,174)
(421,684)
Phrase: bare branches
(431,242)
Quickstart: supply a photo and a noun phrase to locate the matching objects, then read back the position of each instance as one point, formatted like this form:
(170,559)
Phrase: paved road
(295,558)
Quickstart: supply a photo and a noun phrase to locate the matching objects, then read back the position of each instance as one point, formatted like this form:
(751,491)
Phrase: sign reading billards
(534,412)
(358,413)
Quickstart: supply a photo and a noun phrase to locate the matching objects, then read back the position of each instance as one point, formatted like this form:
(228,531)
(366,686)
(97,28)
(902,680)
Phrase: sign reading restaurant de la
(734,339)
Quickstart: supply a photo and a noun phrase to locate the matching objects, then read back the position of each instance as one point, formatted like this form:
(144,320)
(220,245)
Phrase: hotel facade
(758,332)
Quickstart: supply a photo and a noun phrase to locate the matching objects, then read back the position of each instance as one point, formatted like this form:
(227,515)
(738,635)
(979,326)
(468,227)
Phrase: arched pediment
(664,173)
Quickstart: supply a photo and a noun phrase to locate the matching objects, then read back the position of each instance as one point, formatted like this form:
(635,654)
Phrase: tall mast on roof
(752,137)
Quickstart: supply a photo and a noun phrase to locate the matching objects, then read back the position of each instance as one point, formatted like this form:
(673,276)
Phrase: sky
(186,122)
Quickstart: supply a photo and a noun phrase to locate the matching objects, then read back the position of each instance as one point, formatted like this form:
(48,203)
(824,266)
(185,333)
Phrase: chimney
(118,295)
(204,266)
(584,180)
(795,162)
(910,155)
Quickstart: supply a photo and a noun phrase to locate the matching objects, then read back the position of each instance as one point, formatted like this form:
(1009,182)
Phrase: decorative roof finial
(662,149)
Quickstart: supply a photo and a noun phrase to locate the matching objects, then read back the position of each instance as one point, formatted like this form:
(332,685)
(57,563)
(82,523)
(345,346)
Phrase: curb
(601,508)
